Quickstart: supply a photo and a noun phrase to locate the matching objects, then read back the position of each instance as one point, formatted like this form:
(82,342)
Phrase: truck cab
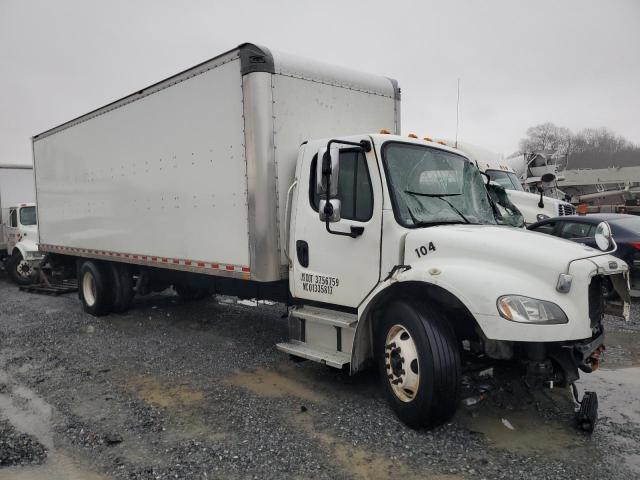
(397,259)
(19,242)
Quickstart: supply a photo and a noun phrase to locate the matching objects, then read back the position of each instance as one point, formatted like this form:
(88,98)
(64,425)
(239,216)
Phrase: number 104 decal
(422,250)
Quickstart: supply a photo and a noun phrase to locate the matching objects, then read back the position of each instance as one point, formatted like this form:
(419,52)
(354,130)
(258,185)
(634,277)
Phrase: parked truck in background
(19,252)
(250,175)
(534,207)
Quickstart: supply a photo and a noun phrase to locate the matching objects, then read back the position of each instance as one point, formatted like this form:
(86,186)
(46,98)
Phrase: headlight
(542,216)
(521,309)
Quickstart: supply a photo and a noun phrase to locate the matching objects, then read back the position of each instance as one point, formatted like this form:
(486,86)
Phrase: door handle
(302,251)
(287,223)
(356,231)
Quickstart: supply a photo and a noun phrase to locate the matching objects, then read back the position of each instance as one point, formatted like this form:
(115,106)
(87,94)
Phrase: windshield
(28,216)
(432,186)
(507,180)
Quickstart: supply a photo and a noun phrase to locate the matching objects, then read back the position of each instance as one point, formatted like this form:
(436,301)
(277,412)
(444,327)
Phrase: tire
(95,288)
(421,383)
(122,280)
(19,270)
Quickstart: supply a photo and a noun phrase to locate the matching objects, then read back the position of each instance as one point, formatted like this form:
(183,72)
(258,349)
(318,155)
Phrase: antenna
(457,112)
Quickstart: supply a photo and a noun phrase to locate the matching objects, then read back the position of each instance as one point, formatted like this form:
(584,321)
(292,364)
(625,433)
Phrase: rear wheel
(19,269)
(419,362)
(96,288)
(123,293)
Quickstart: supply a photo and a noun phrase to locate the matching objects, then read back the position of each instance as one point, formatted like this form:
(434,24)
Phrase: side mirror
(603,236)
(329,210)
(328,167)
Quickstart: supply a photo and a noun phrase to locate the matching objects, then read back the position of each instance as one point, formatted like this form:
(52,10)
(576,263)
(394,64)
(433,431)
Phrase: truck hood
(502,245)
(529,201)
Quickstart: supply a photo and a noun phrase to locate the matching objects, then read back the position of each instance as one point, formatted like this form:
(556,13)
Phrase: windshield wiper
(441,197)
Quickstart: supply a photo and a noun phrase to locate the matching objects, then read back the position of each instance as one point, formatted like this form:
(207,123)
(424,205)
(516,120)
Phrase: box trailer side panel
(196,168)
(163,176)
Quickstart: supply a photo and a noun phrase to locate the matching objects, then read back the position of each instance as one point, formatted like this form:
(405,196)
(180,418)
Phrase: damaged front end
(559,363)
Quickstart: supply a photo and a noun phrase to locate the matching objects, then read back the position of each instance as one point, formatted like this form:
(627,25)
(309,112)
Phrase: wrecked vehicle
(247,175)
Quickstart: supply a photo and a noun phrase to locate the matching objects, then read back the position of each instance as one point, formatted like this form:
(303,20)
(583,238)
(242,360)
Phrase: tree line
(587,148)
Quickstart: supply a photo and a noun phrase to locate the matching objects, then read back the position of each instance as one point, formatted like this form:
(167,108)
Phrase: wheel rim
(89,289)
(23,269)
(401,362)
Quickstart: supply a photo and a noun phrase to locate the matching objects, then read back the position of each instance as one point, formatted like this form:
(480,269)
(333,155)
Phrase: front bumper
(559,363)
(34,259)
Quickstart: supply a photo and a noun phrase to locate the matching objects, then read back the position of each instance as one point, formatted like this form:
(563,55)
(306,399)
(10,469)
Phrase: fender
(362,347)
(26,247)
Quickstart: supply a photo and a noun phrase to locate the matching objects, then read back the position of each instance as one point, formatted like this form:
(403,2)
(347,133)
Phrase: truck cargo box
(192,173)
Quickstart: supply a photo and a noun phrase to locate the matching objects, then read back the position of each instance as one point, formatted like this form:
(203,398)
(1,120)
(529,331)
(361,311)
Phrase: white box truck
(249,175)
(18,227)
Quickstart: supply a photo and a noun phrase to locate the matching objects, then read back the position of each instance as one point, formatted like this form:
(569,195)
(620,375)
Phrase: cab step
(333,359)
(327,317)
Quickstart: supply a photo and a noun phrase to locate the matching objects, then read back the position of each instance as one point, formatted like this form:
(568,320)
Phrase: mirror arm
(365,145)
(541,203)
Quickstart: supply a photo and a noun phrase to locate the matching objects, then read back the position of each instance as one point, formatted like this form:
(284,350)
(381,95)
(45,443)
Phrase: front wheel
(20,271)
(419,363)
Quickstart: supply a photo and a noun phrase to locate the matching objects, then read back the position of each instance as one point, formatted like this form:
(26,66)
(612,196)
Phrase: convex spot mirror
(328,167)
(603,236)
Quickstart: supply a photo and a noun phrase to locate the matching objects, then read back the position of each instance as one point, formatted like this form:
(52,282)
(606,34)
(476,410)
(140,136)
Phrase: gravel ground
(18,448)
(197,390)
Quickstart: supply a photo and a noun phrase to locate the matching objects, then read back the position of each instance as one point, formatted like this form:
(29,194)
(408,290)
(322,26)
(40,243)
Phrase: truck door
(337,269)
(12,229)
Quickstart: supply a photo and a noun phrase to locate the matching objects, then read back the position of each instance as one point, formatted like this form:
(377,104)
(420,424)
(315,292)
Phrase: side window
(571,230)
(13,218)
(354,186)
(546,228)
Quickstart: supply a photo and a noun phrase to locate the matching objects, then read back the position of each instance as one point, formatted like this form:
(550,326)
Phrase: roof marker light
(428,139)
(442,142)
(412,135)
(384,131)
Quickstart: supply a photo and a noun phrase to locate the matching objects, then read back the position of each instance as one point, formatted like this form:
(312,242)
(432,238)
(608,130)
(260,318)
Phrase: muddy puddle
(618,393)
(361,463)
(272,383)
(155,392)
(521,428)
(527,423)
(57,467)
(29,414)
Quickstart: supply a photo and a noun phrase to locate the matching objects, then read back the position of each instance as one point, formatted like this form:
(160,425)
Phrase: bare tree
(547,137)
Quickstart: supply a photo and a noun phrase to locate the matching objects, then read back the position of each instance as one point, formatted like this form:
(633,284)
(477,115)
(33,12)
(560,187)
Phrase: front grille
(596,300)
(566,209)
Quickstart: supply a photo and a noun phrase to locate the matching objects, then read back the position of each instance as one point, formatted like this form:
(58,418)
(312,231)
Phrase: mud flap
(619,307)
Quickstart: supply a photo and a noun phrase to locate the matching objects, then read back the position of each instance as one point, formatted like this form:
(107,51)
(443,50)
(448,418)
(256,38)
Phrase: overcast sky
(574,63)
